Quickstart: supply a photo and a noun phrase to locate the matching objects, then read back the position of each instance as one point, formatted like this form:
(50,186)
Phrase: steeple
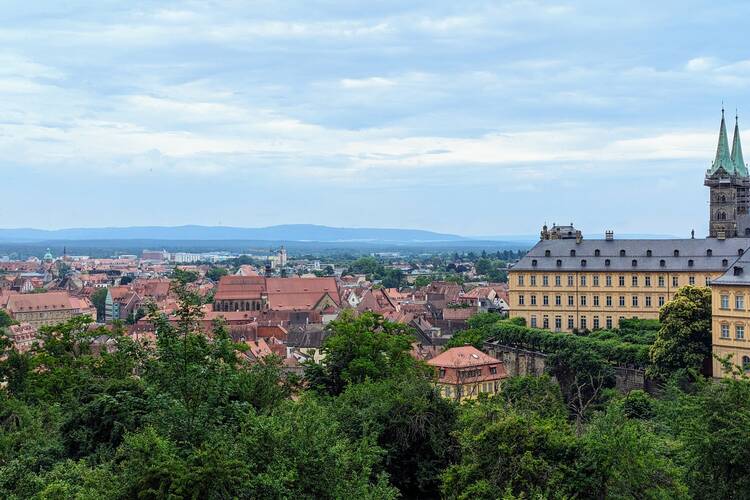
(737,159)
(723,158)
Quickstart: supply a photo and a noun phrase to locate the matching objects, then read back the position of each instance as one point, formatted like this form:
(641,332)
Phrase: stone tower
(728,182)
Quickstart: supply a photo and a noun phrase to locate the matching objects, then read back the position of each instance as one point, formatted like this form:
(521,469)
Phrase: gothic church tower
(729,184)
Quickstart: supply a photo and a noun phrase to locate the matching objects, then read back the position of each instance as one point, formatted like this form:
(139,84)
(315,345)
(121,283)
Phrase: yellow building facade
(730,318)
(568,283)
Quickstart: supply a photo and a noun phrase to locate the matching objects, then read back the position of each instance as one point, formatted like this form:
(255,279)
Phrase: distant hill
(287,232)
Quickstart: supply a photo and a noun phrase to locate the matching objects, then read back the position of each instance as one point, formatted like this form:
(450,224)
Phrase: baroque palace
(566,282)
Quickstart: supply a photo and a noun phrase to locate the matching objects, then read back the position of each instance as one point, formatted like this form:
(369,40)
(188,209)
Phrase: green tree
(684,340)
(216,272)
(422,281)
(5,319)
(99,299)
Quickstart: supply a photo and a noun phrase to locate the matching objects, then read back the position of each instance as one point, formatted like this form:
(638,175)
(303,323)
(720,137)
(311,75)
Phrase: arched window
(622,253)
(634,263)
(709,252)
(559,262)
(547,253)
(662,263)
(649,253)
(533,263)
(597,253)
(607,262)
(583,262)
(746,363)
(573,253)
(690,263)
(723,198)
(724,262)
(676,253)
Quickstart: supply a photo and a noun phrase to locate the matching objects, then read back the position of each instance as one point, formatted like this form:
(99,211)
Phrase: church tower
(728,183)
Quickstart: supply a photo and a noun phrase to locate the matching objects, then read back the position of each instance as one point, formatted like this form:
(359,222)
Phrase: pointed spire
(723,158)
(737,159)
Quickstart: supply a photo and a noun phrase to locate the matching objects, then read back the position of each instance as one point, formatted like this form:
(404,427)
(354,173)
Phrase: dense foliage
(188,417)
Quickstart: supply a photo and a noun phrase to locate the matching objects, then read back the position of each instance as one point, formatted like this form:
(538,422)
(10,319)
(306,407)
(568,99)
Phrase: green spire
(737,159)
(723,158)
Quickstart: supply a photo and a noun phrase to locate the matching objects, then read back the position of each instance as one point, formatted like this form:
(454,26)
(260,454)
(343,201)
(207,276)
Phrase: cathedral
(729,186)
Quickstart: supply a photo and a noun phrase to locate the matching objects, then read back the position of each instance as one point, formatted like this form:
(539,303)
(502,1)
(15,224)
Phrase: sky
(470,117)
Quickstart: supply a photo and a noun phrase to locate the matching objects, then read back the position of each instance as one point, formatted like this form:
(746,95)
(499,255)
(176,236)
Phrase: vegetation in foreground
(187,418)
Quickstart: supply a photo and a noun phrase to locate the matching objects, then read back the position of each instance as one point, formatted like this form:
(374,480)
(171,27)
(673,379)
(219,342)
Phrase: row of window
(583,280)
(633,263)
(583,323)
(739,331)
(595,302)
(649,253)
(739,301)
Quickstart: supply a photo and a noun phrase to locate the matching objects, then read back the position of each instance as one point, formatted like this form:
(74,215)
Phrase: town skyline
(440,116)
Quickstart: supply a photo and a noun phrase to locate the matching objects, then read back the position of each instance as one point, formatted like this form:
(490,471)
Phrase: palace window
(739,302)
(545,322)
(558,281)
(661,300)
(570,280)
(608,322)
(635,301)
(608,301)
(608,281)
(648,301)
(647,281)
(675,281)
(725,302)
(621,280)
(533,280)
(545,280)
(520,280)
(558,323)
(691,280)
(545,300)
(596,280)
(596,301)
(584,326)
(661,281)
(725,331)
(558,300)
(571,301)
(622,301)
(583,300)
(571,323)
(533,321)
(746,363)
(533,300)
(634,280)
(521,300)
(596,322)
(739,332)
(583,280)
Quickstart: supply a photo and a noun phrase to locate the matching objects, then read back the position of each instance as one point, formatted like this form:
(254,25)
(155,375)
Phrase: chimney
(609,235)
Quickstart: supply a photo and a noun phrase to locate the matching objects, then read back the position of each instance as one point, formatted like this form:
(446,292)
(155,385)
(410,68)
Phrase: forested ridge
(188,417)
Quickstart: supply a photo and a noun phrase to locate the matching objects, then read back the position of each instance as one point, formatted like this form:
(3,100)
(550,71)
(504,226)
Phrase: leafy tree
(409,420)
(99,300)
(422,281)
(216,272)
(5,319)
(684,339)
(183,276)
(367,347)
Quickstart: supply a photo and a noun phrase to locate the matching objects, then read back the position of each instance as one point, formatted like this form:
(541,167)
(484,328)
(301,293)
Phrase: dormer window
(662,263)
(573,253)
(634,263)
(533,263)
(709,252)
(724,262)
(676,253)
(607,262)
(740,251)
(690,263)
(547,253)
(559,262)
(622,253)
(648,253)
(583,262)
(597,253)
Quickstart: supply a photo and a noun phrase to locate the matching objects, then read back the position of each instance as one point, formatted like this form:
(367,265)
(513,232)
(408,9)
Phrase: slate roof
(737,274)
(695,250)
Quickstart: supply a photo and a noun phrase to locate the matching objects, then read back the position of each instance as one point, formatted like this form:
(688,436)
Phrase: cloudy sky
(472,117)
